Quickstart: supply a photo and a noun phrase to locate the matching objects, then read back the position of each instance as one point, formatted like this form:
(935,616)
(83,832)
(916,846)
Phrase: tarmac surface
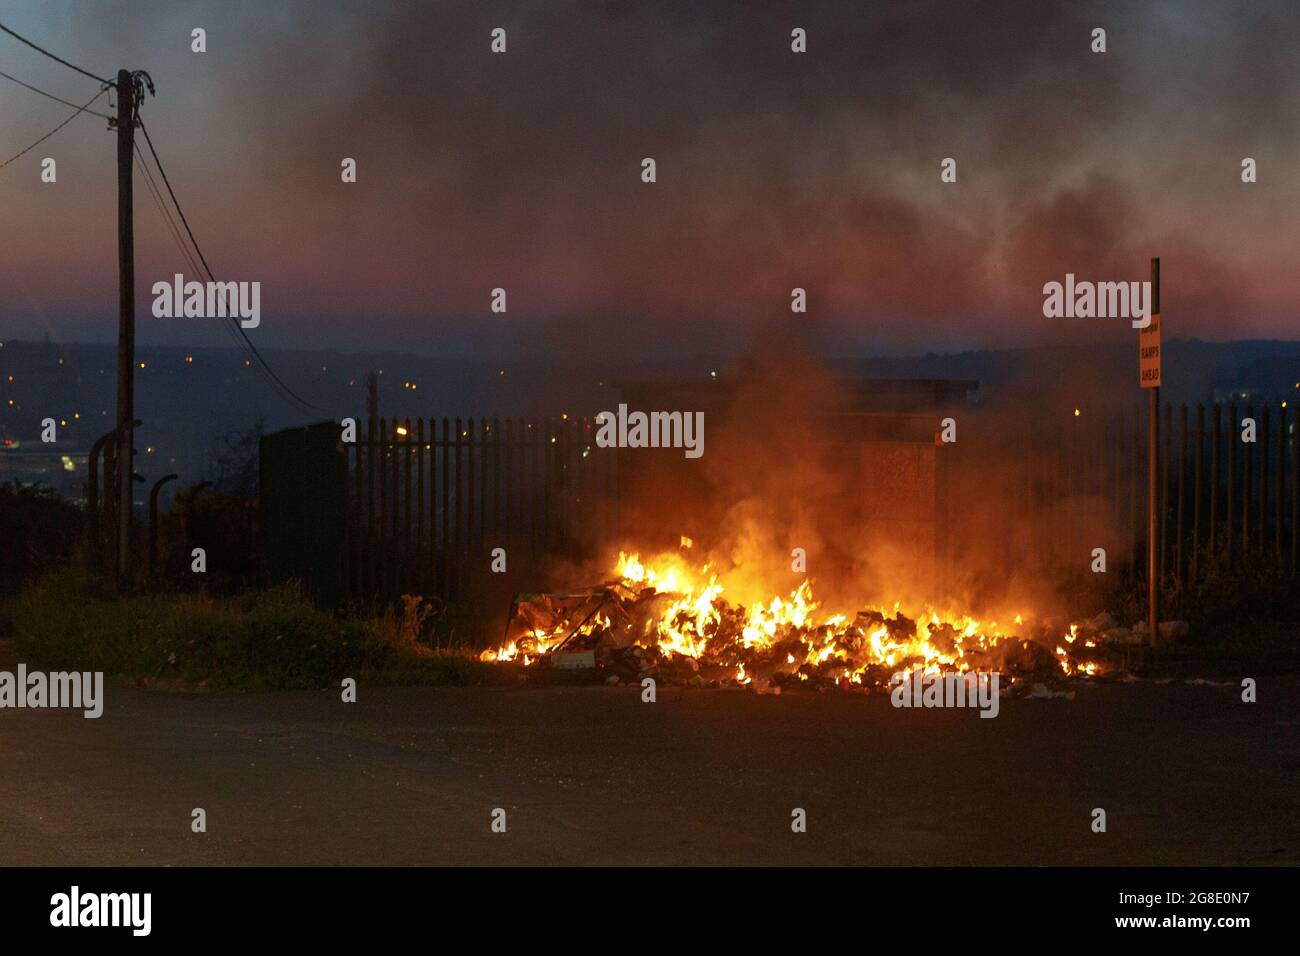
(1187,774)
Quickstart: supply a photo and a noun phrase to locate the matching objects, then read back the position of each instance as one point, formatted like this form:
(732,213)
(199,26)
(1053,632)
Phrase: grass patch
(268,639)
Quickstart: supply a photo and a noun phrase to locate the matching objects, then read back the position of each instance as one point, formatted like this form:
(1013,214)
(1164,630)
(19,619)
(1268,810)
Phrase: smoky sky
(775,170)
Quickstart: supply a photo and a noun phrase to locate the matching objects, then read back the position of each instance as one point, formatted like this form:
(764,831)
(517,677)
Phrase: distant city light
(142,364)
(189,359)
(1076,413)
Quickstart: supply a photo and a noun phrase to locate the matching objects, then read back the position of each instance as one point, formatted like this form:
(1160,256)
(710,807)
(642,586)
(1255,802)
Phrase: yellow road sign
(1149,354)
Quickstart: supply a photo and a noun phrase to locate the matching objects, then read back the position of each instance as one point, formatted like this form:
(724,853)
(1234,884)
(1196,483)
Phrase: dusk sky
(775,169)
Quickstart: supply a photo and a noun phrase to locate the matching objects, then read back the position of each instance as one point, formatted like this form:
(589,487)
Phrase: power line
(168,219)
(79,111)
(171,192)
(284,389)
(71,66)
(175,232)
(188,255)
(51,95)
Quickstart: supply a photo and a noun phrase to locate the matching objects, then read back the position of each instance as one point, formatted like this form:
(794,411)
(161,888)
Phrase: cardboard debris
(573,660)
(617,629)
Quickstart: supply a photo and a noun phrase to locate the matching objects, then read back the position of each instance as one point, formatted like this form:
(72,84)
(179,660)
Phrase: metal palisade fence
(1222,500)
(1224,495)
(427,501)
(430,500)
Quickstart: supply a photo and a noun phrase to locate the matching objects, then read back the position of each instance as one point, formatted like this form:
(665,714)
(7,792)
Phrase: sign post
(1149,378)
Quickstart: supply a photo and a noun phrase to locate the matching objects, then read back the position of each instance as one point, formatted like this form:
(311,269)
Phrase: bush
(268,639)
(225,526)
(41,530)
(272,639)
(1247,592)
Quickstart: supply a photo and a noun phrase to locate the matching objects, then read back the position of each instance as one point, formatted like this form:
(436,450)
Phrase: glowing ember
(667,617)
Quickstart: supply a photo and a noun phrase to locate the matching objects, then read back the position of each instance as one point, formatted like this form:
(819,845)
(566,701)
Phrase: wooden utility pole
(125,318)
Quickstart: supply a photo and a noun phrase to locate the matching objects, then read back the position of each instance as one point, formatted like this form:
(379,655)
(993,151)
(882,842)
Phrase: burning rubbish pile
(669,621)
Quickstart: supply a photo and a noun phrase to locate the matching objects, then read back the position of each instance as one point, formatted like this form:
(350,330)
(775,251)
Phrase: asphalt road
(1187,775)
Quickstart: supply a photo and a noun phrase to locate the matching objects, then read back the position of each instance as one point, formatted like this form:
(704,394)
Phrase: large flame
(791,636)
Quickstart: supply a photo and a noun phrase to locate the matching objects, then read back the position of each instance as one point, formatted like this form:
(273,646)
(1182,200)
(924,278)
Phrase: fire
(670,616)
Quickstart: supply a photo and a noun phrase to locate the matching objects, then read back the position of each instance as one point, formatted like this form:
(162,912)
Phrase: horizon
(775,171)
(745,349)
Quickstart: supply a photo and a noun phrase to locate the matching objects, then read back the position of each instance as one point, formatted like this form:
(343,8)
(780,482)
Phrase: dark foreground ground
(1187,775)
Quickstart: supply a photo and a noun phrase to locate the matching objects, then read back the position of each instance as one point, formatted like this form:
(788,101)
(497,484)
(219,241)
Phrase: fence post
(1247,453)
(382,551)
(1136,517)
(92,494)
(1281,485)
(456,556)
(1262,530)
(484,431)
(432,559)
(153,520)
(349,526)
(408,546)
(393,467)
(444,547)
(507,521)
(1229,506)
(469,548)
(1182,479)
(421,577)
(496,481)
(1166,447)
(1295,500)
(1214,477)
(1194,565)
